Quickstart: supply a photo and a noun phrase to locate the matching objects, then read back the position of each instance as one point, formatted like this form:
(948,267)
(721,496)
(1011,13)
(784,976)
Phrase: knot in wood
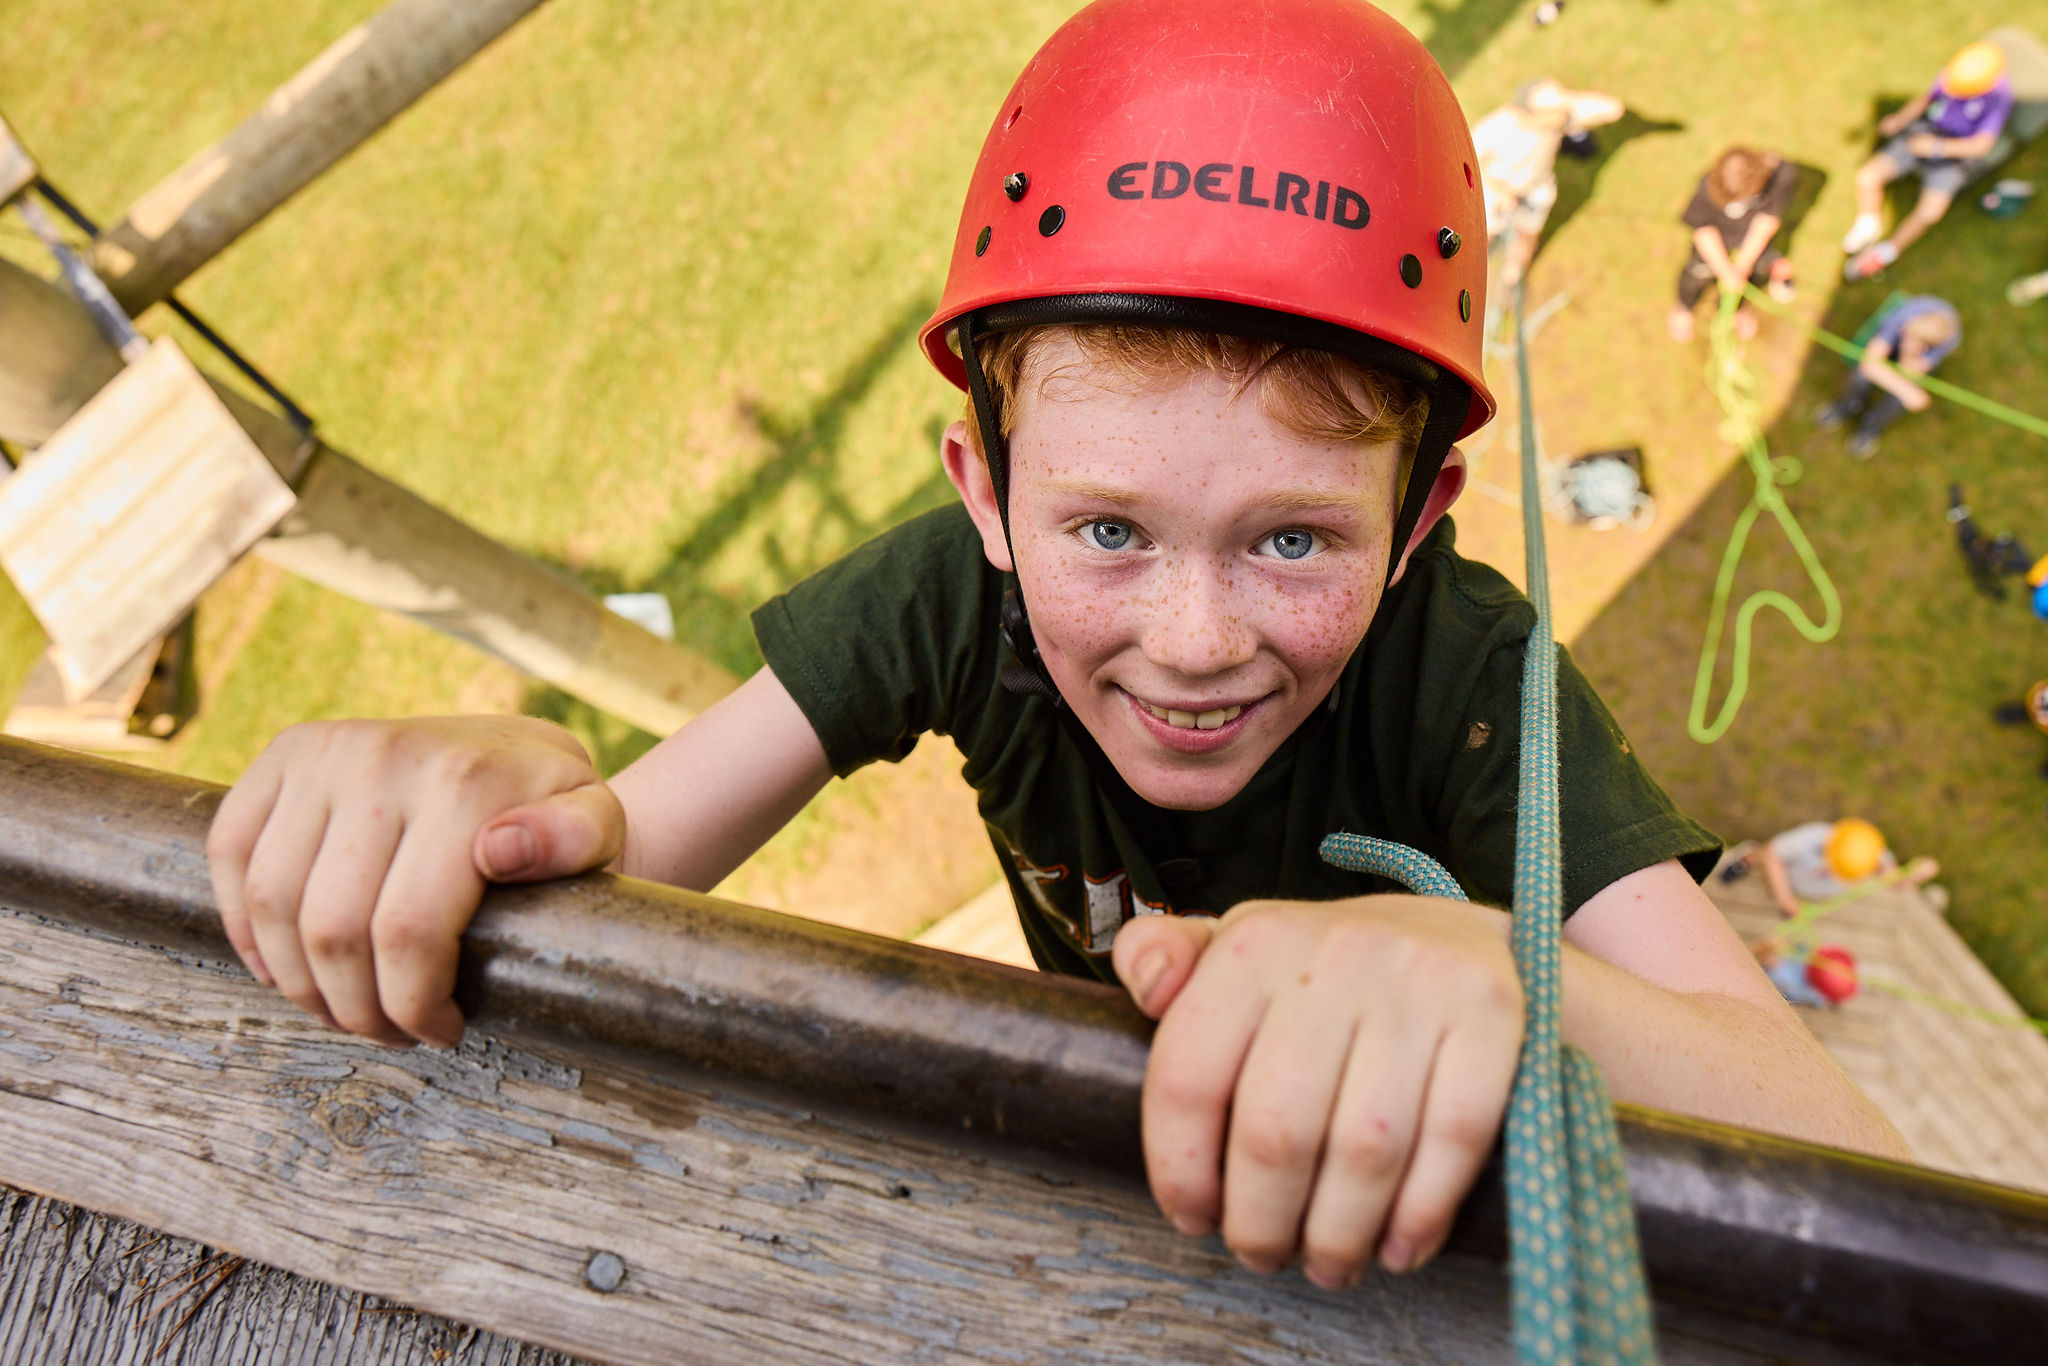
(605,1272)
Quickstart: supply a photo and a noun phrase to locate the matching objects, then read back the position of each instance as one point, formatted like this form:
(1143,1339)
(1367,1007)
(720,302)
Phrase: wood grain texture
(1970,1095)
(113,528)
(82,1287)
(480,1185)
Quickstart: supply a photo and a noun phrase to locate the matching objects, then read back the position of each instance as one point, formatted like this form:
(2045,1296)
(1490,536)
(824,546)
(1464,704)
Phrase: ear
(1450,482)
(965,467)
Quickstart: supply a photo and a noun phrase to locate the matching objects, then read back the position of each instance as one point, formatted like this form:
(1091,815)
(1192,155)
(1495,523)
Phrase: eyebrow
(1278,500)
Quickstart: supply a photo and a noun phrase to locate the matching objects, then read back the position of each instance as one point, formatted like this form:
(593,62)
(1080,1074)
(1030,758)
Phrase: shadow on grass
(803,452)
(1577,176)
(1891,720)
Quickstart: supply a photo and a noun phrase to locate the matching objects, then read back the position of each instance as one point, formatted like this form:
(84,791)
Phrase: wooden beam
(360,83)
(358,533)
(736,1068)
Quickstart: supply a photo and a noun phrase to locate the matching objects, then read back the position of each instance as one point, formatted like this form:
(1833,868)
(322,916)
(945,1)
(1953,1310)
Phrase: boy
(1911,339)
(1941,136)
(1214,387)
(1736,211)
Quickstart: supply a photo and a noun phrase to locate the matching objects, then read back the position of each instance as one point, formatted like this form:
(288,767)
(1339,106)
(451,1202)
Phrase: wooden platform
(1970,1096)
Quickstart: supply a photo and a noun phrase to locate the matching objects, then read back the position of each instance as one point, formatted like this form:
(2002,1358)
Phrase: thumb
(1155,955)
(568,832)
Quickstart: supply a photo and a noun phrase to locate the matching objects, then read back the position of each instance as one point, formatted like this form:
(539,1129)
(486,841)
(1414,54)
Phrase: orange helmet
(1855,849)
(1296,170)
(1974,70)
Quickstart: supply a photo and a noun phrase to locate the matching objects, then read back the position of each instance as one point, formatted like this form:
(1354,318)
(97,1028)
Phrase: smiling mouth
(1188,720)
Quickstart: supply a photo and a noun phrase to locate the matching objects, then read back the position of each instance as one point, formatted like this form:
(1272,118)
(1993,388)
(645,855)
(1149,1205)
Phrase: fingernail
(1256,1266)
(1191,1226)
(259,970)
(1396,1255)
(1324,1279)
(509,850)
(1145,976)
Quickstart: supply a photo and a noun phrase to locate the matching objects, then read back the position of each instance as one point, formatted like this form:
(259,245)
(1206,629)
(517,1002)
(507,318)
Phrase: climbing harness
(1735,387)
(1577,1271)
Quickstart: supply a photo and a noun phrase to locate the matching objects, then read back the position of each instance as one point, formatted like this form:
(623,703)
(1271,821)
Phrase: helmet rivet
(1411,271)
(1051,220)
(981,242)
(1015,184)
(1448,242)
(1465,305)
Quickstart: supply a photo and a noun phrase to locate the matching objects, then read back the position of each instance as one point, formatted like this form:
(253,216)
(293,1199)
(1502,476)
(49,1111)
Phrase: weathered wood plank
(361,82)
(76,1286)
(115,526)
(481,1185)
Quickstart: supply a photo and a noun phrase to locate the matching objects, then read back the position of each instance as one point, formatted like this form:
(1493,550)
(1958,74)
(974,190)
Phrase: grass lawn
(635,292)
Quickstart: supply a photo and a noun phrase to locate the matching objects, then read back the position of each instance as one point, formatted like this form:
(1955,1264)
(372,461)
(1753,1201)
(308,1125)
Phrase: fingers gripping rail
(1802,1244)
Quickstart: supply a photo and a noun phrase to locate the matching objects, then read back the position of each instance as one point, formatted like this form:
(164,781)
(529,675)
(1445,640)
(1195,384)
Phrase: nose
(1198,620)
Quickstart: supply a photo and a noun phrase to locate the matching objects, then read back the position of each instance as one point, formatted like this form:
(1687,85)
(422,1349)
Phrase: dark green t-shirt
(1419,745)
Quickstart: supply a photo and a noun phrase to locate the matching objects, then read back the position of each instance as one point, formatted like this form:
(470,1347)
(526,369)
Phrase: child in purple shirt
(1942,137)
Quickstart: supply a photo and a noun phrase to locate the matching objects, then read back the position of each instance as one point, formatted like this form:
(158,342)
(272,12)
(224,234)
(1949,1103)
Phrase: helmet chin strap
(1024,672)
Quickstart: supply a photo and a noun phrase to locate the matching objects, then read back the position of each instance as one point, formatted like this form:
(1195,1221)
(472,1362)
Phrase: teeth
(1187,720)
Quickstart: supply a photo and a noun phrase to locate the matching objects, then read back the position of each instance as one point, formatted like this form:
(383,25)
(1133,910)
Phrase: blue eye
(1292,544)
(1109,535)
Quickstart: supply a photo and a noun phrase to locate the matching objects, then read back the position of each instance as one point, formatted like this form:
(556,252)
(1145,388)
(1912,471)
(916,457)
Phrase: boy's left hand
(1328,1077)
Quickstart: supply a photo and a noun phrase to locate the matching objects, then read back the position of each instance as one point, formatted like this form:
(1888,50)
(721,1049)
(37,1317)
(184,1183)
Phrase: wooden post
(362,535)
(346,94)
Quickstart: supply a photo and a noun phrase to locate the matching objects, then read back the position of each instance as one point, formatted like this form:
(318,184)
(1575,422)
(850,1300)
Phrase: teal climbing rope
(1735,386)
(1577,1271)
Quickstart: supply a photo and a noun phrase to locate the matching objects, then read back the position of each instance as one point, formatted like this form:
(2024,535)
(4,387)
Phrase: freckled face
(1197,574)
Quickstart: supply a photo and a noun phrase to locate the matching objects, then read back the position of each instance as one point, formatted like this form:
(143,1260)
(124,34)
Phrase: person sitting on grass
(1911,339)
(1736,211)
(1941,136)
(1517,146)
(1196,608)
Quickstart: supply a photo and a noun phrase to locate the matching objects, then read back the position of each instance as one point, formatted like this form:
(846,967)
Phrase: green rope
(1735,387)
(1577,1270)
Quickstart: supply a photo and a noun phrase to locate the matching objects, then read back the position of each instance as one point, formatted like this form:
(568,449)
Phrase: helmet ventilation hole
(1051,221)
(981,242)
(1465,305)
(1018,113)
(1411,270)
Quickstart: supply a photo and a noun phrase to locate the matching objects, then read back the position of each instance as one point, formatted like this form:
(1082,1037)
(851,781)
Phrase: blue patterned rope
(1579,1293)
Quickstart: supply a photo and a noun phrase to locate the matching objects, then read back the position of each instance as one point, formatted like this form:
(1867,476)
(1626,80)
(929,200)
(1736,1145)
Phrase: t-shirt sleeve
(890,641)
(1614,818)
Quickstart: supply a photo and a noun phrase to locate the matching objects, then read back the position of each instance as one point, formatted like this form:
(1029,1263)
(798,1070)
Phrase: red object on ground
(1831,971)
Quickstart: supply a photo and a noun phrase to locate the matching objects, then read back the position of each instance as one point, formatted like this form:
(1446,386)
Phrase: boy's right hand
(352,854)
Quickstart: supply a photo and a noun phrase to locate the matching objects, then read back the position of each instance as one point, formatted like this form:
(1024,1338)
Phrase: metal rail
(1802,1243)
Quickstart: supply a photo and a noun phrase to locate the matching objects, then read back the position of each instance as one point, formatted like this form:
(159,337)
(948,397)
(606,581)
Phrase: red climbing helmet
(1292,169)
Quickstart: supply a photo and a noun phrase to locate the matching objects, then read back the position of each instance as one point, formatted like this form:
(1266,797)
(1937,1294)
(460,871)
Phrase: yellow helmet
(1854,849)
(1973,70)
(2038,575)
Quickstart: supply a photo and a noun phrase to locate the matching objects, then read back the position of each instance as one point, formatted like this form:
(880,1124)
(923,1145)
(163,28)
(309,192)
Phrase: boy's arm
(351,856)
(1890,378)
(703,800)
(1898,119)
(1712,250)
(1762,229)
(1661,993)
